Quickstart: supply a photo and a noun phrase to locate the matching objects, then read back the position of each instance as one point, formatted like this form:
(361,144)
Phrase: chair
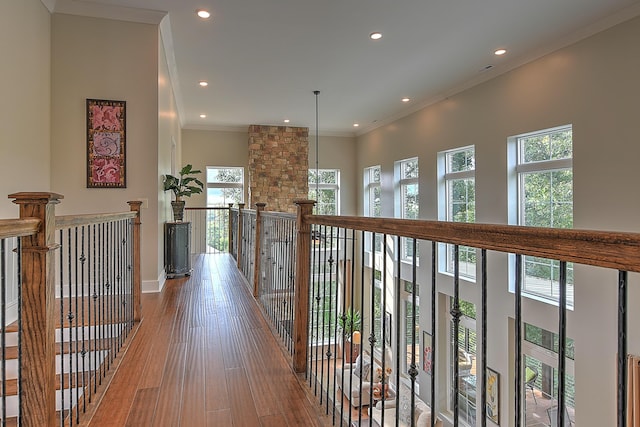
(530,376)
(553,417)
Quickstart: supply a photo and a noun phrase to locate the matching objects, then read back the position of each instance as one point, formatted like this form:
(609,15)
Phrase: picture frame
(106,143)
(387,327)
(427,353)
(493,396)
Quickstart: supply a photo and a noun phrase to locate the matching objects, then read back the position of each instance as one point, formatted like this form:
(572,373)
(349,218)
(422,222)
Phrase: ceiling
(263,59)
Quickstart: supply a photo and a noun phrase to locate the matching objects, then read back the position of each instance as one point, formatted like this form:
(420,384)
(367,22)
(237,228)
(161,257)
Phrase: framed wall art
(387,327)
(106,143)
(427,353)
(493,396)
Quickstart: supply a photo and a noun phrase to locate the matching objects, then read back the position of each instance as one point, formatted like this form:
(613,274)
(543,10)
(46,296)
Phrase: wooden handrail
(69,221)
(617,250)
(18,227)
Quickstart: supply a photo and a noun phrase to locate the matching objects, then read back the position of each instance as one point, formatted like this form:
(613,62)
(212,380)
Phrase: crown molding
(49,4)
(101,10)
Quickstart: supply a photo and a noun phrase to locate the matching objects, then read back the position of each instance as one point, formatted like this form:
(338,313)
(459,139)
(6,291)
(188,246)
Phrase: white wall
(106,59)
(25,110)
(168,150)
(592,85)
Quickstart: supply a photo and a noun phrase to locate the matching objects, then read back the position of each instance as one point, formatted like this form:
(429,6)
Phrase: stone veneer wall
(278,166)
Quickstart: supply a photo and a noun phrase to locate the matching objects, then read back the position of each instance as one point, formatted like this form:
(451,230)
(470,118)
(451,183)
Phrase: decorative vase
(178,210)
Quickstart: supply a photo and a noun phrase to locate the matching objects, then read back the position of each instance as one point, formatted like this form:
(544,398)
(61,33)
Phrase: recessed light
(287,120)
(203,83)
(203,13)
(405,99)
(203,116)
(500,52)
(355,125)
(375,36)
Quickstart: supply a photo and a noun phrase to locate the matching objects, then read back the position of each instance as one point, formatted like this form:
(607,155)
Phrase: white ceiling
(264,58)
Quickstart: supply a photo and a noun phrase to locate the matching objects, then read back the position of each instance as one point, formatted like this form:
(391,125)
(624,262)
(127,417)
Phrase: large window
(466,360)
(324,188)
(545,199)
(372,203)
(224,185)
(411,327)
(459,191)
(407,173)
(540,351)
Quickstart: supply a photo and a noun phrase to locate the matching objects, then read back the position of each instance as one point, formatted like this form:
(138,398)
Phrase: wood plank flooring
(204,356)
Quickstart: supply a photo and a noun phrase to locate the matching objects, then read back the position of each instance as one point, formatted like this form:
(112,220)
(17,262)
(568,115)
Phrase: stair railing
(78,298)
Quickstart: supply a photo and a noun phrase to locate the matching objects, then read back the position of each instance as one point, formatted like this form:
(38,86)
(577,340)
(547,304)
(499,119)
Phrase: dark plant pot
(178,210)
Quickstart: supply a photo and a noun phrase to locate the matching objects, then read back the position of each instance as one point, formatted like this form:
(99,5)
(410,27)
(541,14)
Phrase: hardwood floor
(204,356)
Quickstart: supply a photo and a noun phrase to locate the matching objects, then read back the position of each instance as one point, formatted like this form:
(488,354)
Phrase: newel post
(230,249)
(257,270)
(135,206)
(38,388)
(301,298)
(239,238)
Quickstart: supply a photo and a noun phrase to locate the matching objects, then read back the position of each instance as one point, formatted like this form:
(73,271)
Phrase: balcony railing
(70,297)
(334,275)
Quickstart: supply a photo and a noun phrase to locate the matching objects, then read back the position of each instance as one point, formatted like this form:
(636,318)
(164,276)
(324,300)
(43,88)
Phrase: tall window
(372,203)
(540,351)
(466,360)
(407,172)
(460,203)
(224,185)
(545,199)
(327,184)
(411,328)
(377,308)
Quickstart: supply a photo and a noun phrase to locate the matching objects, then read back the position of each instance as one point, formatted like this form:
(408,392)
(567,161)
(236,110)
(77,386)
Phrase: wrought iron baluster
(518,341)
(455,314)
(3,325)
(484,297)
(433,331)
(622,348)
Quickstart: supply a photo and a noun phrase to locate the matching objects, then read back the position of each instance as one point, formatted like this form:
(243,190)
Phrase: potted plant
(183,186)
(350,322)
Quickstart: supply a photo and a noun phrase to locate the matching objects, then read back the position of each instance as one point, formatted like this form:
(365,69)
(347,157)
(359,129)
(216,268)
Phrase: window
(466,360)
(324,188)
(540,351)
(372,206)
(377,308)
(407,172)
(545,199)
(224,185)
(460,203)
(411,329)
(323,298)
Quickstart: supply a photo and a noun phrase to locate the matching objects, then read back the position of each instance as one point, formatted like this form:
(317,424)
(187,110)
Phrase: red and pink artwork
(106,127)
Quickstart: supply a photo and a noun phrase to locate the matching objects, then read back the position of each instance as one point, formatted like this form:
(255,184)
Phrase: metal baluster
(483,384)
(361,286)
(61,327)
(622,348)
(83,260)
(332,273)
(372,335)
(19,252)
(384,315)
(433,332)
(3,325)
(518,341)
(344,311)
(455,314)
(562,337)
(324,293)
(315,293)
(76,337)
(413,371)
(70,317)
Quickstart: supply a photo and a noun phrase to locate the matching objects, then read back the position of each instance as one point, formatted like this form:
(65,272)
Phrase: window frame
(402,182)
(225,185)
(318,208)
(446,209)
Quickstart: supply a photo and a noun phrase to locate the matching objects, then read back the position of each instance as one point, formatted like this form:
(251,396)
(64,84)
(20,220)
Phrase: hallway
(204,356)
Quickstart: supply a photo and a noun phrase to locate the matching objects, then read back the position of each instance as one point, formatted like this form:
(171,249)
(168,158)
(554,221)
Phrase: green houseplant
(349,322)
(184,185)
